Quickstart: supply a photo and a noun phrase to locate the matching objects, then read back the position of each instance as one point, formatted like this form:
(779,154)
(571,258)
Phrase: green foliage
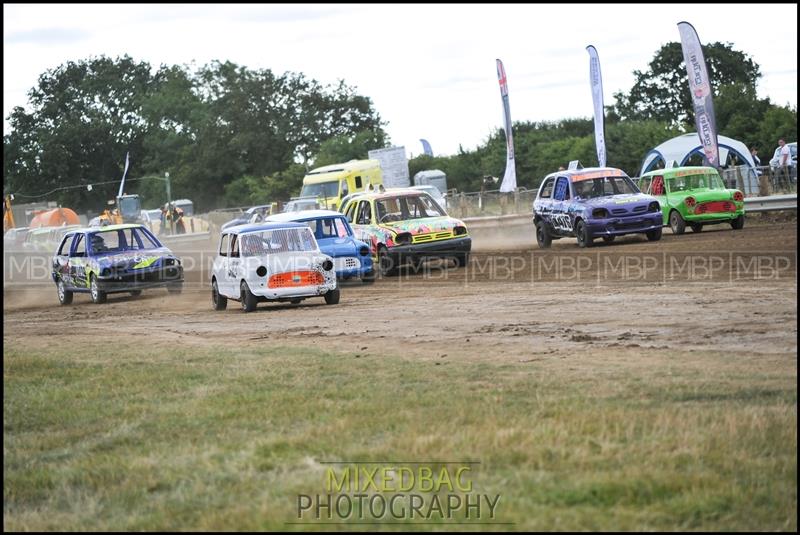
(207,128)
(349,147)
(250,190)
(662,92)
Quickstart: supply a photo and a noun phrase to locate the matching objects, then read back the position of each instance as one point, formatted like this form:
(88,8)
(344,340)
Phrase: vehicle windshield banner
(700,87)
(510,177)
(596,80)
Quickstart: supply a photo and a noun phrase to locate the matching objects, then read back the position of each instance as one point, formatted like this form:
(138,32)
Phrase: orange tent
(55,218)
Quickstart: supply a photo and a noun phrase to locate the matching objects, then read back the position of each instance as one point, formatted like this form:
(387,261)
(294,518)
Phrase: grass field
(122,437)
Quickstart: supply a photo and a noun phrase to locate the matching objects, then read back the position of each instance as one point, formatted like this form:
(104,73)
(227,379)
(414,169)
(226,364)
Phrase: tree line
(232,136)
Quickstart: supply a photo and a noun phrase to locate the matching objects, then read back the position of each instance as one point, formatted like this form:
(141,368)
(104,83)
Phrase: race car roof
(258,227)
(303,215)
(589,173)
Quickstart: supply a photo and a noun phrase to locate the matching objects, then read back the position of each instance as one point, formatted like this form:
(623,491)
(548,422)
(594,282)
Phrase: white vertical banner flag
(510,177)
(124,174)
(596,80)
(700,87)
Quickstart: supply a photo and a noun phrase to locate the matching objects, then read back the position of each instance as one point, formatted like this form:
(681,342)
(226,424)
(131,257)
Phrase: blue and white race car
(351,257)
(599,202)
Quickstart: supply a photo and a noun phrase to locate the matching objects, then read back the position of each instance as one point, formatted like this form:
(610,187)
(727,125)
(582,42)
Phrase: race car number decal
(562,222)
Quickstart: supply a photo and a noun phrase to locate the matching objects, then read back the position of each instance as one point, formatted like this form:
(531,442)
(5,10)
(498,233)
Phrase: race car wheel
(296,301)
(543,238)
(582,233)
(609,239)
(135,293)
(64,295)
(247,298)
(368,277)
(332,297)
(696,227)
(462,260)
(219,302)
(654,235)
(676,223)
(175,288)
(98,296)
(738,223)
(385,263)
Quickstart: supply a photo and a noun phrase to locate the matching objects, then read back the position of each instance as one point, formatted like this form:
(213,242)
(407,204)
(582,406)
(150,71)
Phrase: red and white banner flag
(510,177)
(700,87)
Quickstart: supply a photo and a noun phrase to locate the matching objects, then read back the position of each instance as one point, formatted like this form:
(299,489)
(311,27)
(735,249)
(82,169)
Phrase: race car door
(221,266)
(61,260)
(77,262)
(561,199)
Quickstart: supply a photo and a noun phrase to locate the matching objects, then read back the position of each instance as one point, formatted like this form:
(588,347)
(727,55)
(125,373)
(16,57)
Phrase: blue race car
(351,257)
(599,202)
(113,259)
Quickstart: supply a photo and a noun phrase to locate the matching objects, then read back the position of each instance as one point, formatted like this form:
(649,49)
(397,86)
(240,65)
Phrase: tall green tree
(662,91)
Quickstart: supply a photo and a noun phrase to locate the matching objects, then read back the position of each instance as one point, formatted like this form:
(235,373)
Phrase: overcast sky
(429,69)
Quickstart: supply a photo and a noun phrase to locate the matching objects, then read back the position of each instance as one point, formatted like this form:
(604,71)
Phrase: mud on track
(718,291)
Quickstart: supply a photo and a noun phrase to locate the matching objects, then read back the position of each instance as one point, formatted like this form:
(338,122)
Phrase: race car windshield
(278,241)
(323,189)
(408,207)
(604,186)
(690,182)
(328,227)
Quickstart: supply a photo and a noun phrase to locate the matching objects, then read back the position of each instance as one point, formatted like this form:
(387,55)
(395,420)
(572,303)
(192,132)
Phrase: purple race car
(600,202)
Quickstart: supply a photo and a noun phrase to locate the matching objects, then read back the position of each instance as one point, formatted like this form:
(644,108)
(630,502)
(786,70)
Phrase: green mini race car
(695,196)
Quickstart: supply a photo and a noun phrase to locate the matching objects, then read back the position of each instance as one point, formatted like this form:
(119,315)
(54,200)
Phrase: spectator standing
(784,155)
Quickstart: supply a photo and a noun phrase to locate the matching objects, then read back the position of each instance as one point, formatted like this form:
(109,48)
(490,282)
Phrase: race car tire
(175,288)
(738,223)
(677,223)
(248,300)
(696,227)
(385,263)
(332,297)
(462,260)
(368,277)
(296,301)
(64,295)
(135,293)
(654,235)
(582,233)
(98,295)
(609,239)
(543,238)
(218,301)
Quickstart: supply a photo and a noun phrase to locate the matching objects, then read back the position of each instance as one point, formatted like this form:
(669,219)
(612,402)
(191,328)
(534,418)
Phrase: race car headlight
(364,251)
(690,201)
(738,196)
(459,230)
(600,213)
(169,262)
(404,238)
(261,271)
(327,265)
(654,207)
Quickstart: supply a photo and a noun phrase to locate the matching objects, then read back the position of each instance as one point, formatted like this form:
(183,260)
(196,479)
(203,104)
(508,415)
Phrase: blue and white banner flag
(700,87)
(596,80)
(426,147)
(510,177)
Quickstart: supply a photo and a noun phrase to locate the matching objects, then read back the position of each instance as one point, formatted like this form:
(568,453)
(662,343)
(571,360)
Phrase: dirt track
(719,290)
